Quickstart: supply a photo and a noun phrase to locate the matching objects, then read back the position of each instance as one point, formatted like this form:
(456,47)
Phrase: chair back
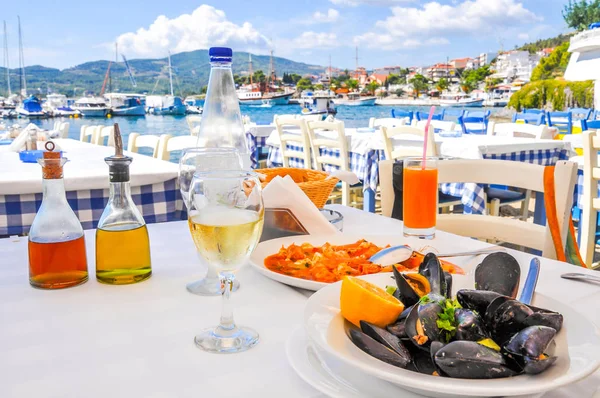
(590,124)
(193,123)
(64,129)
(386,121)
(137,141)
(591,202)
(169,144)
(534,111)
(424,116)
(501,172)
(453,114)
(399,114)
(85,134)
(581,113)
(561,120)
(530,118)
(334,140)
(482,114)
(520,130)
(105,132)
(473,125)
(438,125)
(397,152)
(298,139)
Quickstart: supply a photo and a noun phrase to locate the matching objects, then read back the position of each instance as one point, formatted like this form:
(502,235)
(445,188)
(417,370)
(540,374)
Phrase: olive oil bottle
(122,243)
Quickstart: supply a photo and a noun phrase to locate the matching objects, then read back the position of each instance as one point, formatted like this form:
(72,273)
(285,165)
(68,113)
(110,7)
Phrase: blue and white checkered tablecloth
(366,167)
(473,196)
(255,143)
(159,202)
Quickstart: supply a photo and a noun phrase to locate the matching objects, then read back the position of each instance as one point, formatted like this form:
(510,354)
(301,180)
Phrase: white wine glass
(225,217)
(202,160)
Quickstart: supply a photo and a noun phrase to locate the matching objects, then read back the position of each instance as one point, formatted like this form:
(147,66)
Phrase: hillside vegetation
(191,72)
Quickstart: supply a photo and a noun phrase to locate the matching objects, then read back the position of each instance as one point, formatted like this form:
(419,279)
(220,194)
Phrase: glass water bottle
(221,124)
(122,243)
(57,257)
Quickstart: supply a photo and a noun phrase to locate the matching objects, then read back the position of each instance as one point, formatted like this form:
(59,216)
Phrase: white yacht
(249,96)
(92,107)
(460,100)
(317,103)
(354,99)
(58,105)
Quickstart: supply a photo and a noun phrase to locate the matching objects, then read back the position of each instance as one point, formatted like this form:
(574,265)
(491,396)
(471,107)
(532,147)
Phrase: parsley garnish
(446,321)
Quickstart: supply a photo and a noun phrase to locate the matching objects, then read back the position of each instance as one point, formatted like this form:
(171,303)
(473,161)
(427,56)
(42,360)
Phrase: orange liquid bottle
(420,198)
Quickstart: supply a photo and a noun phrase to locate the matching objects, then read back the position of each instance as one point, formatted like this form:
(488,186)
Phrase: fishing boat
(317,103)
(354,99)
(32,108)
(251,94)
(126,104)
(91,107)
(165,105)
(460,100)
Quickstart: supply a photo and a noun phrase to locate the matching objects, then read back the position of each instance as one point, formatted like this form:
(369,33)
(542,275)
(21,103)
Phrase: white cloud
(523,36)
(318,40)
(205,27)
(355,3)
(319,17)
(433,23)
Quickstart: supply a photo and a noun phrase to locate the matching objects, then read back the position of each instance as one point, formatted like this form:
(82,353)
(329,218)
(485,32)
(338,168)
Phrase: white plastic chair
(88,133)
(444,125)
(105,134)
(299,138)
(519,130)
(386,121)
(194,124)
(394,152)
(170,144)
(591,202)
(137,141)
(515,174)
(339,142)
(64,129)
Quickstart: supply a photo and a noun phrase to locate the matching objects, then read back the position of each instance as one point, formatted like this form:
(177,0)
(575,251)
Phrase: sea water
(352,116)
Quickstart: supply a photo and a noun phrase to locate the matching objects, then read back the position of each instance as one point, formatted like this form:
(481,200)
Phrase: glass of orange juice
(420,197)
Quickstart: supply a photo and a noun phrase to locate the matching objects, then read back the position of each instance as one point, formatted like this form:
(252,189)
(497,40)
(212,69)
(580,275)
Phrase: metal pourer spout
(118,164)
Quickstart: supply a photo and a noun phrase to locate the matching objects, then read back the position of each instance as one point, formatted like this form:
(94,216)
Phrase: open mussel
(530,347)
(432,270)
(470,360)
(469,325)
(386,338)
(498,272)
(376,349)
(405,292)
(421,323)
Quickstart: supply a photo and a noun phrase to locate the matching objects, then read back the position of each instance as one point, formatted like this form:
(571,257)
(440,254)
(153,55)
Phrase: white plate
(267,248)
(333,377)
(578,349)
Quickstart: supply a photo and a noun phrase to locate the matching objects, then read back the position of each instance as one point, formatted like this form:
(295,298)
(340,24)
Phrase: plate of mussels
(459,335)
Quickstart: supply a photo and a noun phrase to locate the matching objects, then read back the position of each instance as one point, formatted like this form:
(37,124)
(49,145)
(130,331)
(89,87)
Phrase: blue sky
(387,32)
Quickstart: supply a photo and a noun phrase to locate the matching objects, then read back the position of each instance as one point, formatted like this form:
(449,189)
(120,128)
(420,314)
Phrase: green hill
(191,73)
(546,43)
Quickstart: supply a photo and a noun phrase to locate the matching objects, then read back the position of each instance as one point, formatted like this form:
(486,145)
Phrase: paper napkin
(285,193)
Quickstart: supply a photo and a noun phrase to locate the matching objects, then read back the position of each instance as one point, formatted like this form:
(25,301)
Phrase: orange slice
(363,301)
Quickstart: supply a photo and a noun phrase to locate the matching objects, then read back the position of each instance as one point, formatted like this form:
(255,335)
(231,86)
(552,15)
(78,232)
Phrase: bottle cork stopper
(52,165)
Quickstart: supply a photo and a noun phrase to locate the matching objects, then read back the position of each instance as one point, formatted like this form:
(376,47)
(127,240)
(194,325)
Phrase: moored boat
(32,108)
(460,100)
(354,99)
(126,104)
(317,103)
(91,107)
(58,105)
(165,105)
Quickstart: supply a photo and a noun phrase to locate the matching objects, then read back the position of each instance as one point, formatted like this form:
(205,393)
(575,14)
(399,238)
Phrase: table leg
(369,200)
(539,216)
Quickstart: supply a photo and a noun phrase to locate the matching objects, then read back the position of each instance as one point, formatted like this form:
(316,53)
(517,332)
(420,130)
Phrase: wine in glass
(226,220)
(202,160)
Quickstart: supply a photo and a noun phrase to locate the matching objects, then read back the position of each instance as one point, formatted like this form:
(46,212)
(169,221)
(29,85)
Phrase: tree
(371,87)
(580,14)
(442,84)
(420,84)
(319,86)
(491,83)
(552,66)
(393,79)
(467,86)
(259,77)
(352,84)
(400,92)
(304,84)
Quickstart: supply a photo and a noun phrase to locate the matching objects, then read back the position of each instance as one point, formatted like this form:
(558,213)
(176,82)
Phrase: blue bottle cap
(223,54)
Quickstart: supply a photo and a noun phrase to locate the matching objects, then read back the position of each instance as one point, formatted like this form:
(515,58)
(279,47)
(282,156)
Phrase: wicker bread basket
(313,183)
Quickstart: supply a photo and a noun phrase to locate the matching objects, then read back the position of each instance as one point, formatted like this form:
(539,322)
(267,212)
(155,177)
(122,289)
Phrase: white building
(515,65)
(487,58)
(585,60)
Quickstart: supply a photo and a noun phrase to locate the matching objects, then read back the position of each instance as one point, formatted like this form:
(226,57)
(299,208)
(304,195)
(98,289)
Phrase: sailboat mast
(170,74)
(6,61)
(356,58)
(22,61)
(250,68)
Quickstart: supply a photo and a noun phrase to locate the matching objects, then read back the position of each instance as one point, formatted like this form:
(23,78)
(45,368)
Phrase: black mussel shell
(498,272)
(423,363)
(431,268)
(427,315)
(470,360)
(476,300)
(507,320)
(376,350)
(397,329)
(529,348)
(404,314)
(541,317)
(448,281)
(404,291)
(386,338)
(469,325)
(433,349)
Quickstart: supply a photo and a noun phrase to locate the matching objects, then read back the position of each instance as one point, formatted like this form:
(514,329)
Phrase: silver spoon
(530,282)
(397,254)
(581,277)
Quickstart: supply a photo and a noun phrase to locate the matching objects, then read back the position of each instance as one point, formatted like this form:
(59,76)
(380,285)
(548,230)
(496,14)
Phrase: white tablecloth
(85,170)
(137,341)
